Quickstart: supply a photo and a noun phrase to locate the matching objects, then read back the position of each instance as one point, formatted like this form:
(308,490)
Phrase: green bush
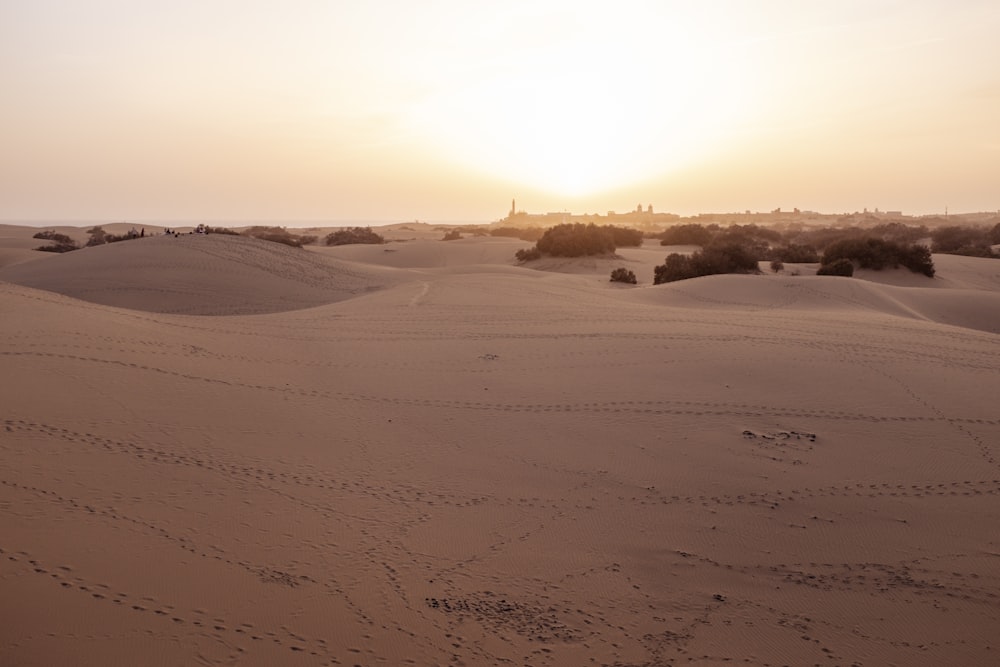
(975,251)
(50,235)
(839,267)
(795,253)
(576,240)
(279,235)
(950,239)
(528,254)
(60,242)
(97,236)
(625,237)
(878,254)
(353,235)
(715,259)
(676,267)
(623,275)
(689,234)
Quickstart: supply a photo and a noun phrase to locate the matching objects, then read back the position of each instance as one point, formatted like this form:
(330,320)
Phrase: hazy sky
(445,110)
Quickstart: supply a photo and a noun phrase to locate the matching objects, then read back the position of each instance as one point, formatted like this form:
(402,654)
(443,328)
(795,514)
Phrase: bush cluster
(690,234)
(970,241)
(60,242)
(625,237)
(528,254)
(279,235)
(716,258)
(840,267)
(452,235)
(580,240)
(99,237)
(354,235)
(794,253)
(695,234)
(623,275)
(576,240)
(876,253)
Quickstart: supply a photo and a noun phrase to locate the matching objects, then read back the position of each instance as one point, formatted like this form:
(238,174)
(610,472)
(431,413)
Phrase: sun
(580,118)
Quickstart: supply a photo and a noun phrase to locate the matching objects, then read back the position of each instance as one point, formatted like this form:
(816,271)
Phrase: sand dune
(434,457)
(198,275)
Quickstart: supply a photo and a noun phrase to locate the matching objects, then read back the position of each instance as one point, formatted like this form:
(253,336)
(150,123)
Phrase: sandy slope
(478,463)
(196,274)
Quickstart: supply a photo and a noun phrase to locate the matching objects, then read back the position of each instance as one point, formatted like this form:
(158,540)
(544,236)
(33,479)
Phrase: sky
(312,111)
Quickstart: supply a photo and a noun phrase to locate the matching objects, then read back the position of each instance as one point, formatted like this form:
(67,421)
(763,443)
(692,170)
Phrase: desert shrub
(58,247)
(453,235)
(795,253)
(623,275)
(689,234)
(60,242)
(875,253)
(528,254)
(724,258)
(975,251)
(950,239)
(625,237)
(917,258)
(278,235)
(676,267)
(50,235)
(748,236)
(745,237)
(97,236)
(576,240)
(822,237)
(868,253)
(900,232)
(777,266)
(529,234)
(994,234)
(353,235)
(716,258)
(839,267)
(225,230)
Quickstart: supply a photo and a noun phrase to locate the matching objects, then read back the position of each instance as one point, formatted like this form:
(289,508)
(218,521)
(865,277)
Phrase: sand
(220,451)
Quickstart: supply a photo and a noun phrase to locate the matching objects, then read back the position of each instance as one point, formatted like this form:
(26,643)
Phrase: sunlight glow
(314,109)
(576,116)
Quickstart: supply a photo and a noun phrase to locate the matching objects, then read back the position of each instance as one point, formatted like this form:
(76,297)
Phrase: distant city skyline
(313,111)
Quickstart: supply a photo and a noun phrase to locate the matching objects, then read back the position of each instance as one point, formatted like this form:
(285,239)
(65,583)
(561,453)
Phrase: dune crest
(197,274)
